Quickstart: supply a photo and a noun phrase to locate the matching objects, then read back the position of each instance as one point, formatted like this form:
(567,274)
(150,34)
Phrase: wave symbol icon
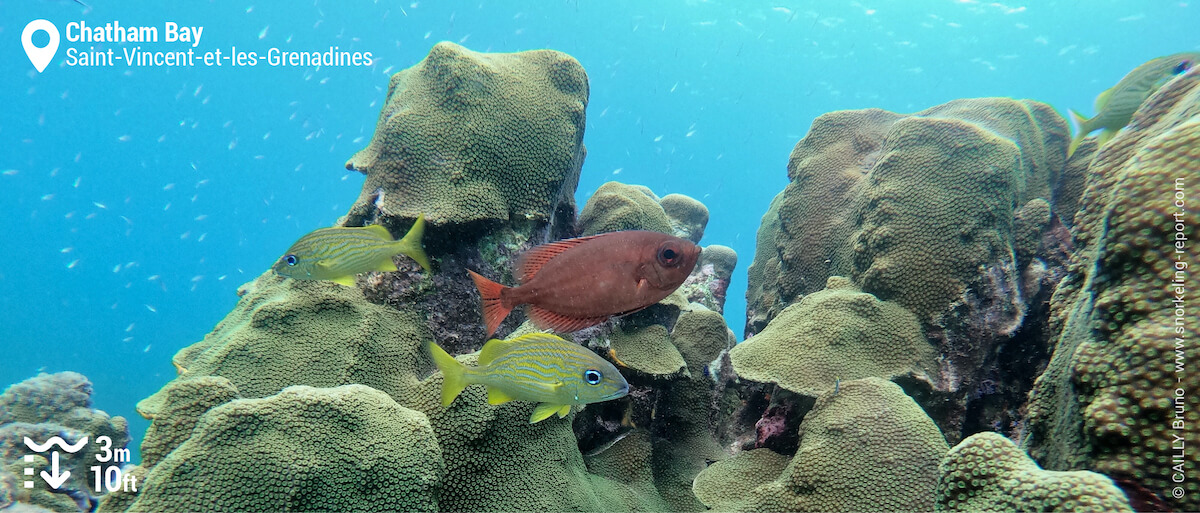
(53,441)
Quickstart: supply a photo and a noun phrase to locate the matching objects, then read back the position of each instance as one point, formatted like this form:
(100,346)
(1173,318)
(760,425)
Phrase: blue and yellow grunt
(538,367)
(1115,106)
(337,254)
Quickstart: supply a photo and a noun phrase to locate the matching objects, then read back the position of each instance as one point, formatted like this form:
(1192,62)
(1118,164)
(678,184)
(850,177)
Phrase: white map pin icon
(40,57)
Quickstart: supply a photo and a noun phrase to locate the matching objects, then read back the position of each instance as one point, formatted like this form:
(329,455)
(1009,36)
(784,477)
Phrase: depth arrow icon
(53,478)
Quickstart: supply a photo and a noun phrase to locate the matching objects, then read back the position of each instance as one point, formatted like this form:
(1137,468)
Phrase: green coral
(909,206)
(727,485)
(700,335)
(467,136)
(1072,180)
(688,216)
(1107,401)
(349,448)
(863,447)
(839,333)
(648,350)
(121,499)
(281,333)
(1028,224)
(616,206)
(628,465)
(184,402)
(987,472)
(765,294)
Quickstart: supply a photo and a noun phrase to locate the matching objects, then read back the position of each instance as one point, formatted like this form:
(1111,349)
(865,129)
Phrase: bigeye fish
(337,254)
(538,367)
(575,283)
(1115,106)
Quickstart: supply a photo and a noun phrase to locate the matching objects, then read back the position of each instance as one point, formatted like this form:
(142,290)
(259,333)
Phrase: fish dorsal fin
(379,231)
(494,349)
(545,319)
(530,262)
(544,411)
(1102,100)
(497,396)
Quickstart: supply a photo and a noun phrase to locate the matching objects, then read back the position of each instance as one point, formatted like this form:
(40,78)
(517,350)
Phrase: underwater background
(138,200)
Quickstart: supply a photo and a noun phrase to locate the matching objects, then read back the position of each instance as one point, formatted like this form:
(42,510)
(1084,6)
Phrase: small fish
(538,367)
(337,254)
(1115,106)
(575,283)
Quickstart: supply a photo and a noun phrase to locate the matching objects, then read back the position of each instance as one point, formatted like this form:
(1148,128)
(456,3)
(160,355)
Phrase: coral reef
(688,217)
(839,333)
(647,350)
(60,405)
(1114,397)
(348,448)
(710,280)
(280,335)
(285,332)
(475,137)
(987,472)
(945,212)
(765,292)
(864,447)
(616,206)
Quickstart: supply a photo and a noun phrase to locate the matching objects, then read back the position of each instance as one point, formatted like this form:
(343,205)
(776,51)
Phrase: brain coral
(467,136)
(1117,396)
(837,333)
(349,448)
(864,447)
(986,472)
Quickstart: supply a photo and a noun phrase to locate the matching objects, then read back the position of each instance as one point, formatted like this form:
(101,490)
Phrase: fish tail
(494,310)
(1080,132)
(411,243)
(454,373)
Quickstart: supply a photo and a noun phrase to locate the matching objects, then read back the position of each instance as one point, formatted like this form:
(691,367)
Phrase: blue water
(136,201)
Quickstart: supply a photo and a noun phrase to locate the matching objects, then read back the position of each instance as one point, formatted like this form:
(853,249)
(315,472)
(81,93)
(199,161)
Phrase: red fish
(575,283)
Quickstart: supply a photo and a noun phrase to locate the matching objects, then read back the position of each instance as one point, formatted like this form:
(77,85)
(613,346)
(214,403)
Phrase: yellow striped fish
(1115,107)
(538,367)
(337,254)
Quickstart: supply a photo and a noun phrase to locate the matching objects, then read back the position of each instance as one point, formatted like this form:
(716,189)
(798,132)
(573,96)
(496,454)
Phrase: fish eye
(592,376)
(1182,67)
(668,256)
(290,259)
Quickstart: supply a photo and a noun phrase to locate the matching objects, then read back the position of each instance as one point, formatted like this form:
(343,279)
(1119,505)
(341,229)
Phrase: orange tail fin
(494,310)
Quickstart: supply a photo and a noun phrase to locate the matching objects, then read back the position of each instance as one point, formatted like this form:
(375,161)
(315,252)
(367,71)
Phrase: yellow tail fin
(454,378)
(1081,132)
(411,243)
